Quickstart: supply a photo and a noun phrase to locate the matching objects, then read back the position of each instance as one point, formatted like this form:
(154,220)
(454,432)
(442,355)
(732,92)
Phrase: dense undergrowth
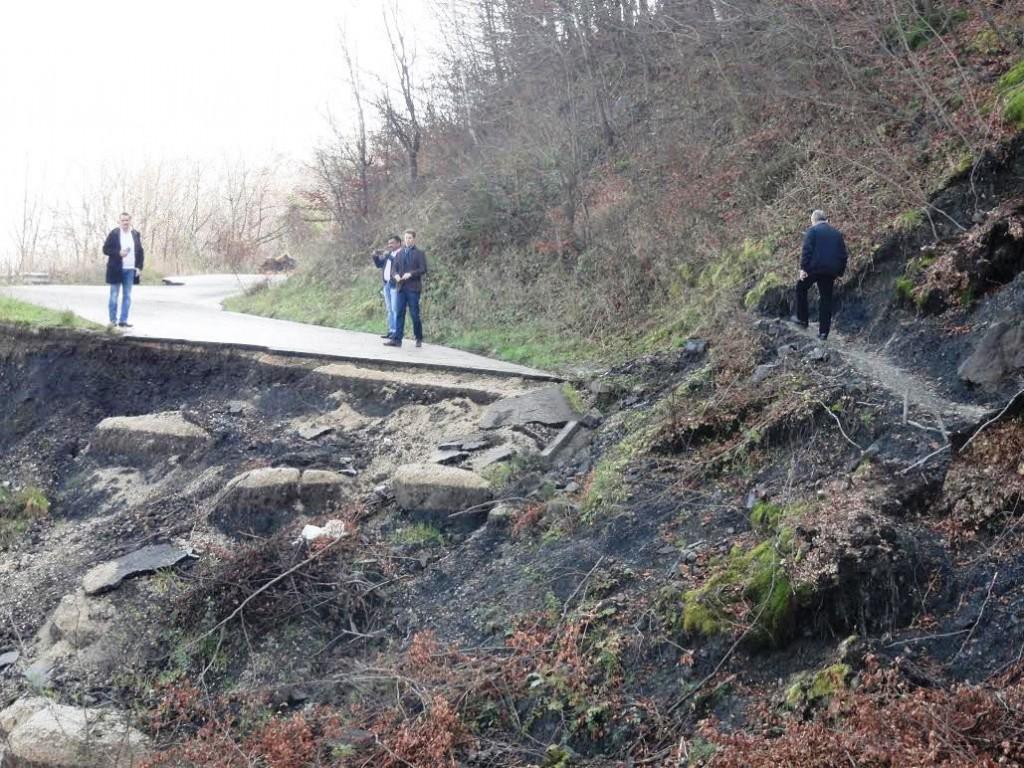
(583,232)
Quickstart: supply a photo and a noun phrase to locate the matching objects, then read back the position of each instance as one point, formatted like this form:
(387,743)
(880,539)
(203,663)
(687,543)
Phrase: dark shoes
(419,342)
(796,321)
(823,336)
(125,325)
(385,335)
(392,343)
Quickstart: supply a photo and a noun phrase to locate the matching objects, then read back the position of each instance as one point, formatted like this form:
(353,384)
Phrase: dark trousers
(825,283)
(410,299)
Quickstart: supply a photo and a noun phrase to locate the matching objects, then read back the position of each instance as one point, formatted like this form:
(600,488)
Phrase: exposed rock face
(436,488)
(146,560)
(42,734)
(999,354)
(547,405)
(80,631)
(261,501)
(150,436)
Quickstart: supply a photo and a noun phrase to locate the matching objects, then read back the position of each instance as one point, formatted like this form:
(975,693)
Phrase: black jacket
(413,261)
(824,251)
(112,249)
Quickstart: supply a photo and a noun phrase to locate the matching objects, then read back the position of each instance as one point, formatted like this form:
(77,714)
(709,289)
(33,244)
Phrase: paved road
(192,312)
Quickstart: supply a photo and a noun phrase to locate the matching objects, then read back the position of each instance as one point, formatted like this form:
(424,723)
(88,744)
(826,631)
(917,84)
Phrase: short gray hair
(818,216)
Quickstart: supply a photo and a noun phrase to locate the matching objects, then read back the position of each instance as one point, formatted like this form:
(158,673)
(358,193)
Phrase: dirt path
(915,390)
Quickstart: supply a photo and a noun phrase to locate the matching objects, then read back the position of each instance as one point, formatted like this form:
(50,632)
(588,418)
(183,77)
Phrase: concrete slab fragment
(109,575)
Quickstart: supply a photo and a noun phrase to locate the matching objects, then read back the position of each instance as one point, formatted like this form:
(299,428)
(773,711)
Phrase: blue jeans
(411,299)
(389,306)
(127,280)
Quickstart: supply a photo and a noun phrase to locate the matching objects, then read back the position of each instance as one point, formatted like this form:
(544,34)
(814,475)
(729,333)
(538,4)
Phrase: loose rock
(150,436)
(434,488)
(547,405)
(146,560)
(43,734)
(998,355)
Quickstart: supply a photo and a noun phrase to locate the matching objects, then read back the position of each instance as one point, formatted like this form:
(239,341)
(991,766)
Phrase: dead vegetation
(887,721)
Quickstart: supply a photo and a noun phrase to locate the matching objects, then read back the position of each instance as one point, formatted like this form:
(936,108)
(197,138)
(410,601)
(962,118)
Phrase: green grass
(418,535)
(18,510)
(909,220)
(23,313)
(1011,90)
(1013,109)
(811,688)
(1013,78)
(358,306)
(754,576)
(766,516)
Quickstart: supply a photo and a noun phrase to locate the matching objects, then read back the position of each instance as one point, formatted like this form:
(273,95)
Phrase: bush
(18,510)
(888,722)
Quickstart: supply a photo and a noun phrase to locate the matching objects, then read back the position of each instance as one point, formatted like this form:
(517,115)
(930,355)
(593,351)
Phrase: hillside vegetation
(591,178)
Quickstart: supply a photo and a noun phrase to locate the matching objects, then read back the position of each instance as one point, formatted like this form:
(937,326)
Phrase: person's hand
(803,275)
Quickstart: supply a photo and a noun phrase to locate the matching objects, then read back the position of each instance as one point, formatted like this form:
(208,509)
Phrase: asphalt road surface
(192,312)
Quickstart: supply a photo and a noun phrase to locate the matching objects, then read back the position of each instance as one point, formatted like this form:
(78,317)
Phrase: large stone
(547,405)
(436,488)
(259,501)
(80,620)
(572,437)
(8,659)
(109,575)
(262,501)
(1000,353)
(321,488)
(43,734)
(149,436)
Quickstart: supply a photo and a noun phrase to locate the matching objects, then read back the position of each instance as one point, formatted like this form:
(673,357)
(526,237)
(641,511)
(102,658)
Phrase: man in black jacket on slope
(823,260)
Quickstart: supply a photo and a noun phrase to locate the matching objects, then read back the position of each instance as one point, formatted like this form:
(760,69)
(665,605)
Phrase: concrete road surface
(192,312)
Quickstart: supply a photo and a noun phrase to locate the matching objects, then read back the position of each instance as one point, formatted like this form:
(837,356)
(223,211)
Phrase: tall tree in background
(403,121)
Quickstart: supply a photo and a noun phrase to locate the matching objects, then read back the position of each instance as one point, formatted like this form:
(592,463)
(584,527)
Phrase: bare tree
(26,233)
(403,121)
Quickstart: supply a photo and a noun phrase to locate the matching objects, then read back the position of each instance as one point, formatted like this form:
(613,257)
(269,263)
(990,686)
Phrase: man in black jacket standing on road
(823,260)
(123,249)
(409,267)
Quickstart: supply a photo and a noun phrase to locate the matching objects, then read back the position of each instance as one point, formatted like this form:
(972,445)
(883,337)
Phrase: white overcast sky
(88,82)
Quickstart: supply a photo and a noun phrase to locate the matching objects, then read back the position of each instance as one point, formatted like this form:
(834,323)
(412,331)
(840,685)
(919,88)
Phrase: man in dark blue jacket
(824,259)
(410,264)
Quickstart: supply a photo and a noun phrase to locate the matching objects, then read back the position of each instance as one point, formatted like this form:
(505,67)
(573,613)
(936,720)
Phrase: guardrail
(26,278)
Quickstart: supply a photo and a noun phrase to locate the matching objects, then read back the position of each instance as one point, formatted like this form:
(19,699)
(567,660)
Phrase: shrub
(18,510)
(889,722)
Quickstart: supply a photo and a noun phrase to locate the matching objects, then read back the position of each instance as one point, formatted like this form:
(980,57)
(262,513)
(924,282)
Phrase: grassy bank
(358,306)
(23,313)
